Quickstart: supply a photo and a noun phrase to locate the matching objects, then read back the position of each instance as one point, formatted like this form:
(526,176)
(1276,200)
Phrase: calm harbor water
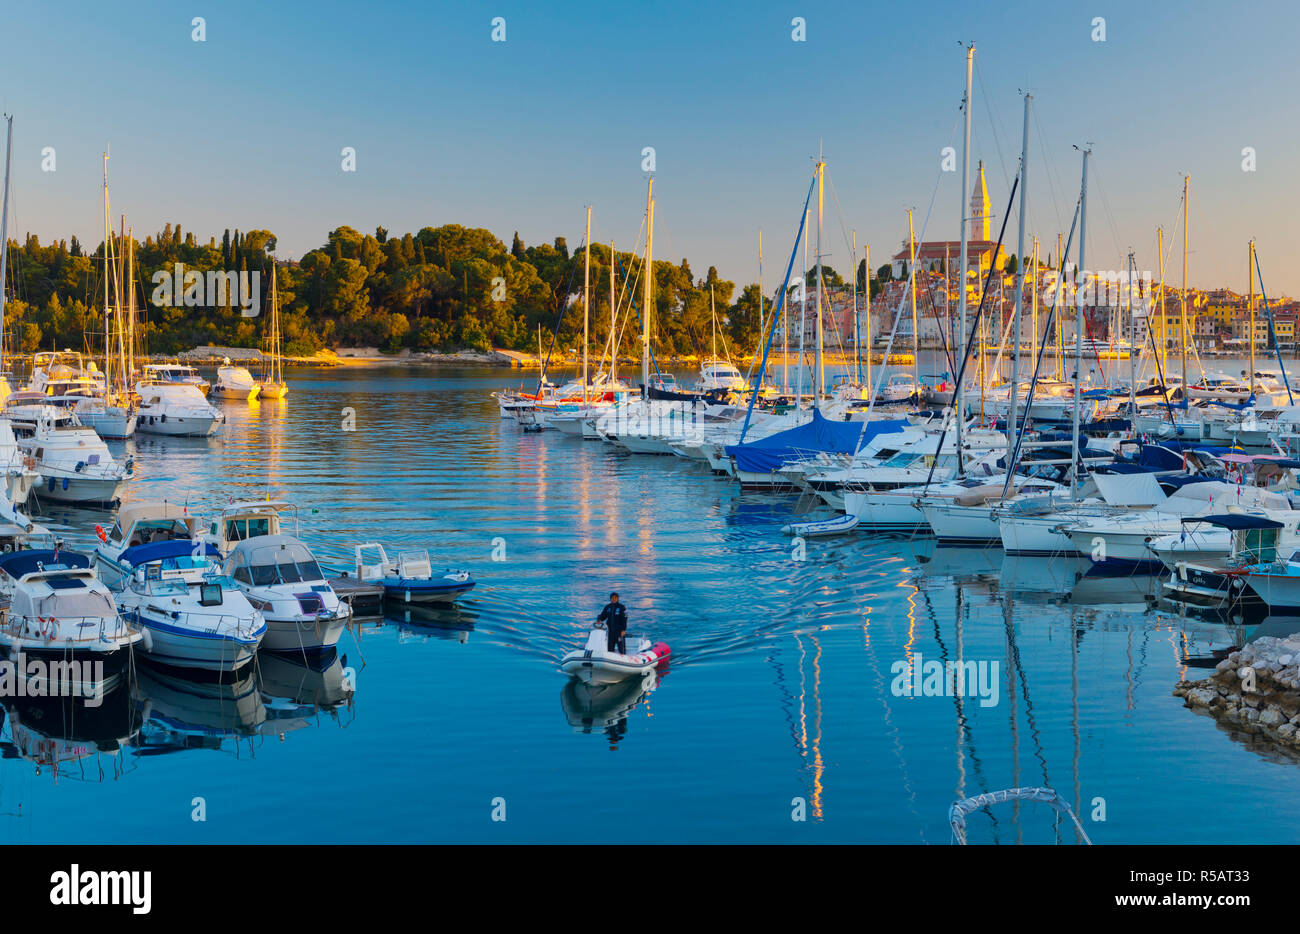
(781,685)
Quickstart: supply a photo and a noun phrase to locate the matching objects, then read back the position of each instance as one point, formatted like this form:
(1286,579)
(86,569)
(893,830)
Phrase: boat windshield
(282,572)
(247,527)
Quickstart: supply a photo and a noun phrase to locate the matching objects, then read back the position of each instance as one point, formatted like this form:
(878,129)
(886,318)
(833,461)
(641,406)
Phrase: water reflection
(70,738)
(604,708)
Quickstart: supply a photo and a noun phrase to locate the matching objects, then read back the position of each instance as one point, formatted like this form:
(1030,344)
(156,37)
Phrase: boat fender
(147,641)
(65,483)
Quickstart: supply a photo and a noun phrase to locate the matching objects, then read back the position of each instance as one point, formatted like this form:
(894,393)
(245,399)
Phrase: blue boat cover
(156,551)
(814,437)
(1235,521)
(18,563)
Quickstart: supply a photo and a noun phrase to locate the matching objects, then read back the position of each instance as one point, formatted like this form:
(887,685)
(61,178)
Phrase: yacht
(57,610)
(235,382)
(720,374)
(195,616)
(175,373)
(175,408)
(73,463)
(281,578)
(137,524)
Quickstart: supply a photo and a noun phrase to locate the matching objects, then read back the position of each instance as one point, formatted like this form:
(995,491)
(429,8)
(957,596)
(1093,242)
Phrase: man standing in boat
(614,616)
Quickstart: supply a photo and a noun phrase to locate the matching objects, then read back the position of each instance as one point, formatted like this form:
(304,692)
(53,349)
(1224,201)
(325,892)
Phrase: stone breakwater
(1255,690)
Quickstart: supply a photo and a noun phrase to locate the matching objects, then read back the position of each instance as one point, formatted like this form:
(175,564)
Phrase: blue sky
(245,129)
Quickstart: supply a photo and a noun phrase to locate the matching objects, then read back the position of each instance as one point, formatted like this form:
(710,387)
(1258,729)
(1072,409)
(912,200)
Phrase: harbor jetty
(1255,690)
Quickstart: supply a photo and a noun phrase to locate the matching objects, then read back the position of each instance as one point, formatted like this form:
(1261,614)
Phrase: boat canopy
(157,551)
(273,559)
(821,435)
(19,563)
(1235,521)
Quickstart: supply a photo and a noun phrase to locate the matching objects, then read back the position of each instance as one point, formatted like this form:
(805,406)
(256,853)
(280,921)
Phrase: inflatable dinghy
(595,664)
(411,578)
(837,526)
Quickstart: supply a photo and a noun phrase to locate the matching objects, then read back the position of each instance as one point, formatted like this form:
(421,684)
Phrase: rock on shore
(1255,690)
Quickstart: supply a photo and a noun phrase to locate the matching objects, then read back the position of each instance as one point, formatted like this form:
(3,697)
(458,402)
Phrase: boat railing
(242,625)
(89,628)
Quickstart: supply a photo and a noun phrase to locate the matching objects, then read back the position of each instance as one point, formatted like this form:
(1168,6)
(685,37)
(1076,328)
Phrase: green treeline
(444,288)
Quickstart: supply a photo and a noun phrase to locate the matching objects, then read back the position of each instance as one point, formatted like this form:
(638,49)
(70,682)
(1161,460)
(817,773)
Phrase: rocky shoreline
(1256,691)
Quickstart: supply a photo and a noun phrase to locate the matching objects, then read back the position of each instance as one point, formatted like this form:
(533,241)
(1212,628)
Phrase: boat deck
(366,598)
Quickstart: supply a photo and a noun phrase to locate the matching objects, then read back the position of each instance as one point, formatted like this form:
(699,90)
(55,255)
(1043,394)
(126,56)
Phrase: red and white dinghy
(594,663)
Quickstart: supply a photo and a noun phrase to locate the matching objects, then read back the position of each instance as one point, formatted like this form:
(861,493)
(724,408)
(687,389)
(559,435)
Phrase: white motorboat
(143,523)
(110,422)
(196,617)
(73,462)
(1121,544)
(176,408)
(720,374)
(235,382)
(594,663)
(241,521)
(58,611)
(281,578)
(175,374)
(17,467)
(410,578)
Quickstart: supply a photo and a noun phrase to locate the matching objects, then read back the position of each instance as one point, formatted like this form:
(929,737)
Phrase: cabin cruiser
(110,422)
(17,467)
(64,372)
(196,617)
(235,382)
(73,462)
(175,374)
(720,374)
(241,521)
(176,408)
(281,578)
(1121,543)
(57,610)
(143,523)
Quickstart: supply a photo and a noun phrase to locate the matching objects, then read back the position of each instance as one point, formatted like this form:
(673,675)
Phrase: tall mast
(1162,352)
(960,398)
(821,363)
(1033,300)
(762,329)
(4,235)
(649,288)
(713,315)
(106,236)
(586,306)
(1060,331)
(911,275)
(1250,307)
(130,304)
(1132,345)
(857,324)
(613,322)
(1187,183)
(803,318)
(785,345)
(866,296)
(1078,323)
(1020,279)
